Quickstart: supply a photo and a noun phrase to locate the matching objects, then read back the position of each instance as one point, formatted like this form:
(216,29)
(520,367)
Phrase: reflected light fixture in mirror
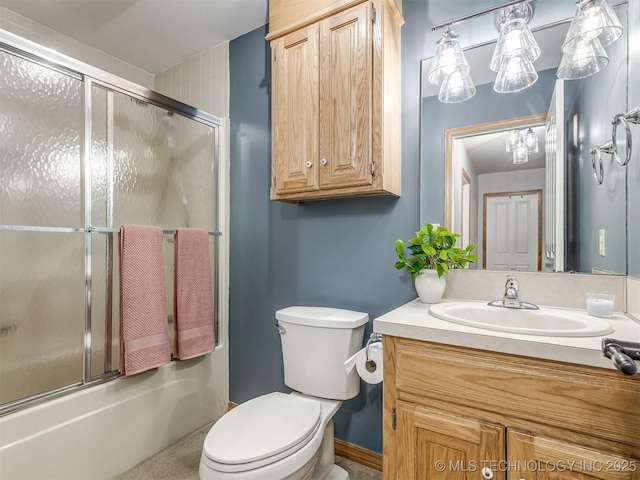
(521,143)
(450,70)
(520,154)
(594,26)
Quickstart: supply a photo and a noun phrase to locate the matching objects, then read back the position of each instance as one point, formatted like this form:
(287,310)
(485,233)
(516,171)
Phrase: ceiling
(150,34)
(488,154)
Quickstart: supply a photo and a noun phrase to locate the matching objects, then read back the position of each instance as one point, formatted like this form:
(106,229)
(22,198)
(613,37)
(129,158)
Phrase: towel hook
(598,171)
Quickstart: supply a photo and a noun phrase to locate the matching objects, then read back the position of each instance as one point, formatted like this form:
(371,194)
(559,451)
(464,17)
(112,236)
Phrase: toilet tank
(316,341)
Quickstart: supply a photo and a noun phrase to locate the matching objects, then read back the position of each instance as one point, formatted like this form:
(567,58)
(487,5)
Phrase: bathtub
(102,431)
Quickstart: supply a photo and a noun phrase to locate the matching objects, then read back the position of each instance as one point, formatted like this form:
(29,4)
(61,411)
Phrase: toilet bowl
(282,436)
(276,436)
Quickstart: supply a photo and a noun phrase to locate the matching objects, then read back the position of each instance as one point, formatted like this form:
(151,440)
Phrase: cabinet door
(346,98)
(437,446)
(538,458)
(295,117)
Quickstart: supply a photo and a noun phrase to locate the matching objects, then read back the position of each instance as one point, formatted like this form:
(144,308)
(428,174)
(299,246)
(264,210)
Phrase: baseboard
(350,452)
(358,454)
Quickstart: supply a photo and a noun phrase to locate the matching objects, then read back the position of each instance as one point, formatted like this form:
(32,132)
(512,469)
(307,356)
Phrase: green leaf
(428,250)
(434,248)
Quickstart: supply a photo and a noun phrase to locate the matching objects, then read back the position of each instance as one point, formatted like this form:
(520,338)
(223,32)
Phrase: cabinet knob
(323,161)
(308,164)
(487,473)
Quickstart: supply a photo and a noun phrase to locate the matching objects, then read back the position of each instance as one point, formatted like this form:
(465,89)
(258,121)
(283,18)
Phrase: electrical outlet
(601,243)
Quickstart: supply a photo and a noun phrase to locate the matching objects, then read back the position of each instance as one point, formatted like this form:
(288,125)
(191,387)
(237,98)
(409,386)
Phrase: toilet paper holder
(374,337)
(369,364)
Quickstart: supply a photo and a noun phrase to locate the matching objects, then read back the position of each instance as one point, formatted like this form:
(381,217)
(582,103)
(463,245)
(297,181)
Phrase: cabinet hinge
(373,169)
(373,14)
(393,418)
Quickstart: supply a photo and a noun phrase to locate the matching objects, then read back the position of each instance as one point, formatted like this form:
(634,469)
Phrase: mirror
(548,213)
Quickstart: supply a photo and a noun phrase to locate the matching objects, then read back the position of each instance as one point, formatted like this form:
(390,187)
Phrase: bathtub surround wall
(337,253)
(201,81)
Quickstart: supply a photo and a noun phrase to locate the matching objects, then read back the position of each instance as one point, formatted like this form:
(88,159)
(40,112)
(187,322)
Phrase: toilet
(282,436)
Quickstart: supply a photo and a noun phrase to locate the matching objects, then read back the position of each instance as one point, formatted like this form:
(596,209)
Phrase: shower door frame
(90,76)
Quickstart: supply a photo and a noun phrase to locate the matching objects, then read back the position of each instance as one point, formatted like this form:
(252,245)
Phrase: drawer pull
(487,473)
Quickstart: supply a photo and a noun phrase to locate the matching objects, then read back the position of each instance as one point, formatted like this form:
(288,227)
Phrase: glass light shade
(588,58)
(515,74)
(449,58)
(513,138)
(593,19)
(520,154)
(457,87)
(515,40)
(531,140)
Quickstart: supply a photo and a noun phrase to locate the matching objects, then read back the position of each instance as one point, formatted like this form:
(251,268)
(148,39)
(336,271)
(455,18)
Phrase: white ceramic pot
(429,286)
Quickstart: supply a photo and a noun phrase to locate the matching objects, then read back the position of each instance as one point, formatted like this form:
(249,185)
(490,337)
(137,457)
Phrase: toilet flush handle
(281,330)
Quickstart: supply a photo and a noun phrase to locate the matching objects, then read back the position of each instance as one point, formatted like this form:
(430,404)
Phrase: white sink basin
(546,322)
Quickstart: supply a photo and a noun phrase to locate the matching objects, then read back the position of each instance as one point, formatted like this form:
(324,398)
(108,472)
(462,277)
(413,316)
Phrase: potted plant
(432,254)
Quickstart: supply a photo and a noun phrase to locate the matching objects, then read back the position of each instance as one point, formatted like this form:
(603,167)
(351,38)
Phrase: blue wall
(337,253)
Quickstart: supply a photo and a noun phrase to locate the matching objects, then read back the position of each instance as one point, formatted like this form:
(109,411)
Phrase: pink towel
(193,302)
(144,335)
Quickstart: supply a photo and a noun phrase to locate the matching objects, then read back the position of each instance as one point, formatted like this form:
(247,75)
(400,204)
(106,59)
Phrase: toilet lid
(262,428)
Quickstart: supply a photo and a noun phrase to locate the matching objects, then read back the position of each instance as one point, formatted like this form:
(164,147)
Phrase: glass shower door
(78,159)
(41,236)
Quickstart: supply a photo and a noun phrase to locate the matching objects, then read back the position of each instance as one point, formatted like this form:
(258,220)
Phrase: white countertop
(413,320)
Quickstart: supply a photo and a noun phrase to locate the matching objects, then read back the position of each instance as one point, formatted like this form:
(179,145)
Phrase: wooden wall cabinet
(335,96)
(458,413)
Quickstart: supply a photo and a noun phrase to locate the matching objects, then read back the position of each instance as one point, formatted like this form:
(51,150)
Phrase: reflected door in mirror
(512,231)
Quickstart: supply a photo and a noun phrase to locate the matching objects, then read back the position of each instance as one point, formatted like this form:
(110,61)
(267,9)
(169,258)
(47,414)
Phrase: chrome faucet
(511,297)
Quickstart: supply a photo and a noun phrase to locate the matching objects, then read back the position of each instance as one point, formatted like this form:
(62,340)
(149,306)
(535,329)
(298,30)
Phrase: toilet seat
(261,431)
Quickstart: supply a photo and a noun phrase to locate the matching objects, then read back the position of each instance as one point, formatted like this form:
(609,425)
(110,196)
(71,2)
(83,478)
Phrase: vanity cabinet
(335,96)
(460,413)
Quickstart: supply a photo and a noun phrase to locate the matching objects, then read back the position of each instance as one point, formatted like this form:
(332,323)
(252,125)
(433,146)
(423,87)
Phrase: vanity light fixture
(515,51)
(513,57)
(588,58)
(594,26)
(450,70)
(593,19)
